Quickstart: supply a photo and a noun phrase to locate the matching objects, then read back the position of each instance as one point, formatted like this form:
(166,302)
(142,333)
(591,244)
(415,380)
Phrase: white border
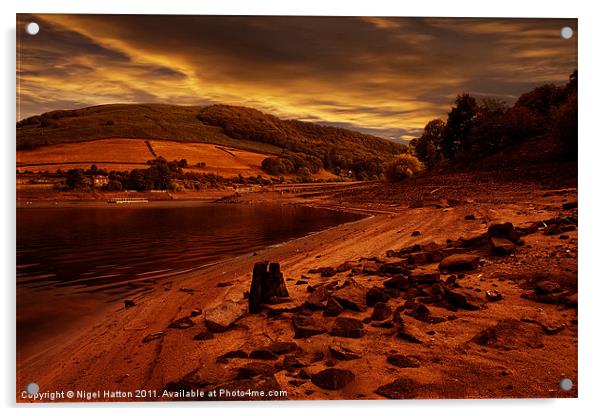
(590,275)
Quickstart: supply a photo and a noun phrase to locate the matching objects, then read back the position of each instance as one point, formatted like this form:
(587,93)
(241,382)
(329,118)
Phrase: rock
(402,361)
(384,324)
(306,327)
(347,328)
(254,369)
(375,295)
(263,354)
(235,354)
(344,354)
(419,258)
(128,303)
(459,300)
(352,296)
(267,286)
(544,287)
(282,347)
(224,284)
(182,323)
(203,336)
(220,318)
(153,336)
(303,374)
(195,312)
(459,262)
(300,282)
(469,217)
(420,312)
(398,267)
(397,282)
(406,335)
(503,230)
(291,363)
(400,388)
(493,295)
(317,299)
(501,246)
(420,276)
(333,308)
(569,204)
(416,233)
(509,334)
(381,312)
(345,267)
(333,378)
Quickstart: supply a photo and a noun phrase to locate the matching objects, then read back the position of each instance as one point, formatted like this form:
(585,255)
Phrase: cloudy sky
(385,76)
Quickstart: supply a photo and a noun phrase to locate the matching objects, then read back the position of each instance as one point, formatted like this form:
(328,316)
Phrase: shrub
(402,167)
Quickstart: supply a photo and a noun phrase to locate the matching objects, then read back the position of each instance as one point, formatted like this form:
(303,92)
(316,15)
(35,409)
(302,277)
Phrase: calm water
(73,260)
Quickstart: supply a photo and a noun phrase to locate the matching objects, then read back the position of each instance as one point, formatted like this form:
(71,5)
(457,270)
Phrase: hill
(294,145)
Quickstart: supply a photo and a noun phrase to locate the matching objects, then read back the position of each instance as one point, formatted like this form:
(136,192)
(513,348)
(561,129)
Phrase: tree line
(475,129)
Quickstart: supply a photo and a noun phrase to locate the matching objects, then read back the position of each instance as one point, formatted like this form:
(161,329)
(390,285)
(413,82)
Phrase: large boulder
(317,299)
(510,334)
(333,378)
(220,318)
(375,295)
(333,308)
(401,388)
(459,262)
(402,361)
(397,282)
(381,312)
(502,246)
(352,296)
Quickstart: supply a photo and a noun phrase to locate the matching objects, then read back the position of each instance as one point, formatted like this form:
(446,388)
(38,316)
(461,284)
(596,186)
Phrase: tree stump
(267,286)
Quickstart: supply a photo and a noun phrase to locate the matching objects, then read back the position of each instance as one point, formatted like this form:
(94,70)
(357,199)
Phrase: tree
(428,146)
(402,167)
(460,121)
(75,178)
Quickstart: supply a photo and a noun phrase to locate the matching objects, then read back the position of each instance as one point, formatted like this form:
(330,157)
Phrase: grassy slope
(238,127)
(157,121)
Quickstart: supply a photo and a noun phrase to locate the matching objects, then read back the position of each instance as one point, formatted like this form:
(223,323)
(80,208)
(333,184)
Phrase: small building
(100,180)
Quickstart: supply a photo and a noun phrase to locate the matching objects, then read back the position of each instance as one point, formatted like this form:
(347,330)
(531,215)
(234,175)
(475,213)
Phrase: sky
(378,75)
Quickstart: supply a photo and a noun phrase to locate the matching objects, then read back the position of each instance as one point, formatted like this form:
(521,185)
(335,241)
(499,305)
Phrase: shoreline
(127,363)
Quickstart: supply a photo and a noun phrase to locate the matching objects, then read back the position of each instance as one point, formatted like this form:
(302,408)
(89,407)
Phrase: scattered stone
(469,217)
(347,328)
(459,262)
(549,327)
(493,295)
(152,337)
(333,308)
(503,230)
(402,361)
(544,287)
(501,246)
(420,312)
(303,374)
(352,296)
(296,383)
(128,303)
(459,301)
(509,334)
(416,233)
(569,204)
(224,284)
(301,282)
(420,258)
(384,324)
(291,363)
(263,354)
(397,282)
(235,354)
(333,378)
(400,388)
(344,354)
(195,312)
(420,276)
(220,318)
(408,336)
(182,323)
(282,347)
(203,336)
(317,299)
(381,312)
(306,327)
(345,267)
(399,267)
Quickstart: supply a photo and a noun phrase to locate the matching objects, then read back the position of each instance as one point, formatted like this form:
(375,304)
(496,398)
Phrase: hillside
(296,144)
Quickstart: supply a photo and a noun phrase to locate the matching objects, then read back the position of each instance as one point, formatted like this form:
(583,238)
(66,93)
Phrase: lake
(72,260)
